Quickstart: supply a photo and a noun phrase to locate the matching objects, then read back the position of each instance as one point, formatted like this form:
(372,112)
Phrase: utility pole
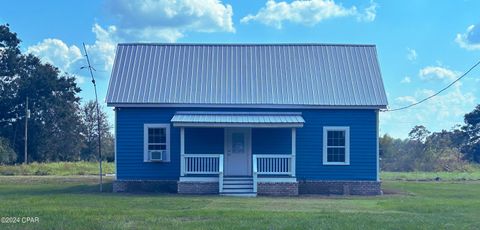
(27,115)
(98,117)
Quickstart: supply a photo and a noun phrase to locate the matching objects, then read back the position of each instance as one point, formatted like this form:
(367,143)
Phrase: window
(156,142)
(336,145)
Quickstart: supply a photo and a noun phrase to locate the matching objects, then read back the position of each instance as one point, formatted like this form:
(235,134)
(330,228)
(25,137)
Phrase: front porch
(258,157)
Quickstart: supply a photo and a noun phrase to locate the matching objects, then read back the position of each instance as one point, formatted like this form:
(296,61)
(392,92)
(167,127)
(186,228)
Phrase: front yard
(74,203)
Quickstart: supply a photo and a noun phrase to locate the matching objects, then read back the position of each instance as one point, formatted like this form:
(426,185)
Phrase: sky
(422,45)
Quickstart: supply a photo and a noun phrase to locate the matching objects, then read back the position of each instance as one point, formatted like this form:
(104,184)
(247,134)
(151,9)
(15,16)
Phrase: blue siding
(363,139)
(271,141)
(204,141)
(362,125)
(130,163)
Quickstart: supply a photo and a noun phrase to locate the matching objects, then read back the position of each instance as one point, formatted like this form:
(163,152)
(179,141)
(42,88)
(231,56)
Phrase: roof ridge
(241,44)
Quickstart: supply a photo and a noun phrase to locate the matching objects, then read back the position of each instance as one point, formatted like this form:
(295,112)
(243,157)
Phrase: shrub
(7,155)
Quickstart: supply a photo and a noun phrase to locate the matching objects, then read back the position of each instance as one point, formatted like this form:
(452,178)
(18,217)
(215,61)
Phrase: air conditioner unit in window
(158,155)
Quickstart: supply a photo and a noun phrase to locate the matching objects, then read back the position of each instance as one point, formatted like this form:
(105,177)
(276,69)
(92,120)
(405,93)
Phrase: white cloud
(102,52)
(441,112)
(138,21)
(307,12)
(470,40)
(370,13)
(406,99)
(406,79)
(412,54)
(168,21)
(70,58)
(437,72)
(54,51)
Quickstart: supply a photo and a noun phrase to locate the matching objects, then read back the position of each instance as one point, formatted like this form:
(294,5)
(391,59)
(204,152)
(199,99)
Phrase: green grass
(428,176)
(57,168)
(75,203)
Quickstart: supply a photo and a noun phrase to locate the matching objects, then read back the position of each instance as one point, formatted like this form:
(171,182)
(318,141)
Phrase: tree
(7,155)
(90,133)
(424,151)
(419,133)
(54,127)
(472,128)
(10,57)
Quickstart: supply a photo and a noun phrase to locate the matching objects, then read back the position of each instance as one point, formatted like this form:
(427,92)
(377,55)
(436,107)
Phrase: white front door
(238,151)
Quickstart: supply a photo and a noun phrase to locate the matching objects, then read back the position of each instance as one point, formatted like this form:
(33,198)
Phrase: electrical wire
(435,94)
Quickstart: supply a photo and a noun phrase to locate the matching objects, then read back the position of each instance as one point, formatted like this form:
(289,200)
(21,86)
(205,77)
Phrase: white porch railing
(203,164)
(272,164)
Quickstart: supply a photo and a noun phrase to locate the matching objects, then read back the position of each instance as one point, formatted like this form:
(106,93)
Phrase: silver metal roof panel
(237,119)
(247,74)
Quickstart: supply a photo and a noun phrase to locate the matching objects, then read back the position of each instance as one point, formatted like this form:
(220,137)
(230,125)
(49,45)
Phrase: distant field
(57,169)
(74,202)
(428,176)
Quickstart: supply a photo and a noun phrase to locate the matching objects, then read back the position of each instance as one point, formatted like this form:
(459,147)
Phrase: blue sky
(422,45)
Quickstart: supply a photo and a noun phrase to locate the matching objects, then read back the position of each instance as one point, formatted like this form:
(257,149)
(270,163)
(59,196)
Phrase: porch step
(237,178)
(234,186)
(238,186)
(237,190)
(250,194)
(237,182)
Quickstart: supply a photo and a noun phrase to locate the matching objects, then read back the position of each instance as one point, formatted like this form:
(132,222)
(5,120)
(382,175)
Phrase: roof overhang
(256,106)
(238,119)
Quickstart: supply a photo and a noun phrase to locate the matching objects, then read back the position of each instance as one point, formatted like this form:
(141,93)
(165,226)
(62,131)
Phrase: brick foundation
(164,186)
(340,187)
(188,187)
(263,188)
(277,188)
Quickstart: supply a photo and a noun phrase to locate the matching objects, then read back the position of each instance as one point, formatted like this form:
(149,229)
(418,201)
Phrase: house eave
(253,106)
(236,125)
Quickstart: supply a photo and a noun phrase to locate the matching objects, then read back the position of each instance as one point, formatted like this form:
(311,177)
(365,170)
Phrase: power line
(90,68)
(435,94)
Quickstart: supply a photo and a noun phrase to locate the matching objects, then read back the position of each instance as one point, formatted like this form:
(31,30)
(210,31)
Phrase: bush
(7,155)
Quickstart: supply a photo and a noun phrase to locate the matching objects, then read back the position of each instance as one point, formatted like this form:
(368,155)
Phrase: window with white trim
(156,142)
(336,145)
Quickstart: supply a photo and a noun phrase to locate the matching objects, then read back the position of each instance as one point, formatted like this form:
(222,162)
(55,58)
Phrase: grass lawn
(57,169)
(426,176)
(74,203)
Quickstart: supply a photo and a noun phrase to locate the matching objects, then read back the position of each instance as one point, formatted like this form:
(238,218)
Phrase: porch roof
(238,119)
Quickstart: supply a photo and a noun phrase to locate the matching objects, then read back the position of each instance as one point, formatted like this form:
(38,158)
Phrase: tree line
(453,150)
(60,128)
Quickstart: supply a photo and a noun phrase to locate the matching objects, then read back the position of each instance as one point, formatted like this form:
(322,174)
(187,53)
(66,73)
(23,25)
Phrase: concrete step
(237,178)
(237,182)
(248,194)
(233,186)
(237,190)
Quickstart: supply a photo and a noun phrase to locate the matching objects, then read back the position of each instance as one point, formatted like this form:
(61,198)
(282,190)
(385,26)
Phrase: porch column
(182,151)
(294,150)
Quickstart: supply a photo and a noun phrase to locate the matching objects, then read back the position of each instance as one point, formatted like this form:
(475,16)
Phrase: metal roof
(246,74)
(237,119)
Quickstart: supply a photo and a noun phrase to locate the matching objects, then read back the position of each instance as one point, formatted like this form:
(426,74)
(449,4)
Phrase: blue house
(247,119)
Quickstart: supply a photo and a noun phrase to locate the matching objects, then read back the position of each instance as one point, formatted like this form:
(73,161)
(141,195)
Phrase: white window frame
(166,126)
(346,129)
